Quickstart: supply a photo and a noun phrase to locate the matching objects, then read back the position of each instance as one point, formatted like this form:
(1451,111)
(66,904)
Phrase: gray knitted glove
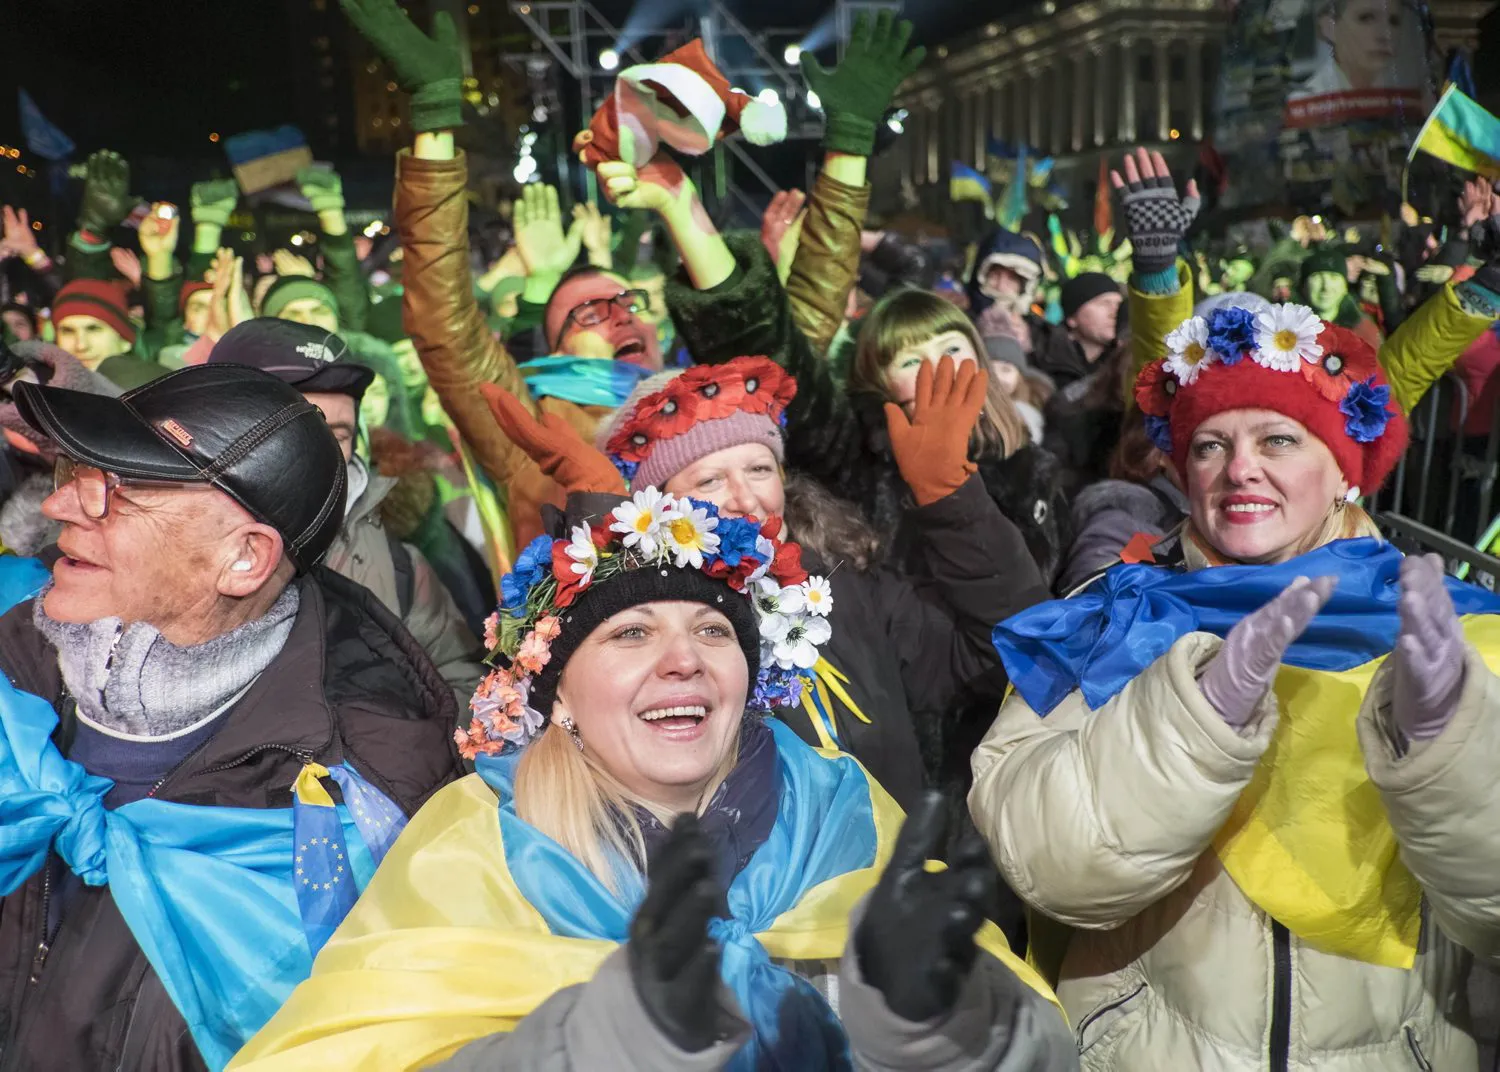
(1157,219)
(1246,665)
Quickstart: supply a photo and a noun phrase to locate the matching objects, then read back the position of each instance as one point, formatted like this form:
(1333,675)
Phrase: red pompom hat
(1283,359)
(683,100)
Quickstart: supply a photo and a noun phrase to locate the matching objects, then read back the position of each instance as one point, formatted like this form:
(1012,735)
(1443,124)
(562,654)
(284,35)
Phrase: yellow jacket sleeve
(1427,344)
(1152,318)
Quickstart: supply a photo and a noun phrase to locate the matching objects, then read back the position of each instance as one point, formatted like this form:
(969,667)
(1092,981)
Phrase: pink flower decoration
(548,628)
(492,631)
(533,654)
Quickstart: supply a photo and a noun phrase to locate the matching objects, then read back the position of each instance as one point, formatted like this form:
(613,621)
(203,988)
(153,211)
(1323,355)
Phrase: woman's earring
(572,729)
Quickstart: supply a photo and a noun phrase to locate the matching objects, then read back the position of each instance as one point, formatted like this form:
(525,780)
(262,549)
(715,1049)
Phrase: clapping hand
(1428,661)
(1245,668)
(915,943)
(673,962)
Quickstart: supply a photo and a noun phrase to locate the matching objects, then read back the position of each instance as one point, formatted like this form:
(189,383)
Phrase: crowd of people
(666,648)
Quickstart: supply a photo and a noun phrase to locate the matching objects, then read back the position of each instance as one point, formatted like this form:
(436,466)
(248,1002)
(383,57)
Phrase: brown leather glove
(932,449)
(552,443)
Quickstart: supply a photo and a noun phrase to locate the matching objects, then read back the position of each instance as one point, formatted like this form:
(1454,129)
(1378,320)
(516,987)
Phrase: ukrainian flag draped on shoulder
(1309,841)
(215,896)
(476,918)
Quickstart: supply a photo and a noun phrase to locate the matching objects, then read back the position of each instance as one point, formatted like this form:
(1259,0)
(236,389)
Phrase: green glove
(323,188)
(856,94)
(213,202)
(106,200)
(429,68)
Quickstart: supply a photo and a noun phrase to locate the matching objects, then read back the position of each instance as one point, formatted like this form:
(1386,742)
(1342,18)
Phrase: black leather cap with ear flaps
(245,432)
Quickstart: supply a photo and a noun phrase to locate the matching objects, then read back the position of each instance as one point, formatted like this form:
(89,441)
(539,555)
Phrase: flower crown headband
(652,530)
(1286,338)
(702,393)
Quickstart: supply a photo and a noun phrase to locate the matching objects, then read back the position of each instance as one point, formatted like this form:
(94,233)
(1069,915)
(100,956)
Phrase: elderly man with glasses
(186,666)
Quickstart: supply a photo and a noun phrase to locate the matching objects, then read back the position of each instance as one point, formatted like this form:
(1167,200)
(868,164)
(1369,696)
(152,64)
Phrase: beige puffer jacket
(1104,820)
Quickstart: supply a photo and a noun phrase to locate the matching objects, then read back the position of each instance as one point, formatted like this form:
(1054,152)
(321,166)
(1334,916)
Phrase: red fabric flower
(786,567)
(736,577)
(1347,359)
(764,382)
(570,585)
(1152,393)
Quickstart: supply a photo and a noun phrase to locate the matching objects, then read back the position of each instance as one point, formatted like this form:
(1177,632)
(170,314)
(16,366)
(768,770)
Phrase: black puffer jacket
(839,439)
(349,685)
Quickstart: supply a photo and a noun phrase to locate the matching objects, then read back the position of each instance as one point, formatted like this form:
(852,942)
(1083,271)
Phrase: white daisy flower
(584,554)
(798,649)
(817,594)
(1187,351)
(641,520)
(689,535)
(1285,336)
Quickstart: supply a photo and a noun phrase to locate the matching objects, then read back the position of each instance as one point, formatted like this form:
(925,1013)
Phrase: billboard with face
(1326,95)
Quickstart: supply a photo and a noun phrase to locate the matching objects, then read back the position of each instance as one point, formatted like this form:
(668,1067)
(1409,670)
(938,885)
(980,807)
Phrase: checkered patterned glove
(1157,219)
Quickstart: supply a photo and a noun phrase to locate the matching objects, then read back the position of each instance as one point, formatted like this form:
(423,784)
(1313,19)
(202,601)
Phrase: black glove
(1157,221)
(106,193)
(673,962)
(916,941)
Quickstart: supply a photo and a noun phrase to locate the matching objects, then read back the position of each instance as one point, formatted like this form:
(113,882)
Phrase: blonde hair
(911,317)
(568,796)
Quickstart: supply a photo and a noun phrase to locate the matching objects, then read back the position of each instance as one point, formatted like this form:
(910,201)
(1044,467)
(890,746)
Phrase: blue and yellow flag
(1309,841)
(477,917)
(1462,133)
(214,896)
(966,184)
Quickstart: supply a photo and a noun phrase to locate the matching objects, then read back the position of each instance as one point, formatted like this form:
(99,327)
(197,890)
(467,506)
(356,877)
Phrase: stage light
(814,101)
(296,240)
(609,59)
(792,55)
(1174,133)
(525,169)
(539,114)
(768,96)
(896,121)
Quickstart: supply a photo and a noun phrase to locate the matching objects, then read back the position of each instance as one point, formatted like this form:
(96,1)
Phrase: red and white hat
(682,100)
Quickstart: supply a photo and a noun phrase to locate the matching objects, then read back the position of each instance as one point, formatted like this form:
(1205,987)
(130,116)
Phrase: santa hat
(682,100)
(1284,359)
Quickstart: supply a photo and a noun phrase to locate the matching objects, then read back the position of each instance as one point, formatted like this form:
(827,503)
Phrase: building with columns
(1079,80)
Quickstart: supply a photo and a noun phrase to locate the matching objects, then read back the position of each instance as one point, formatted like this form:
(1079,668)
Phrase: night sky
(154,77)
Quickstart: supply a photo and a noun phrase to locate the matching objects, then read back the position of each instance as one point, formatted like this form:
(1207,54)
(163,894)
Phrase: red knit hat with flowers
(1284,359)
(683,100)
(673,419)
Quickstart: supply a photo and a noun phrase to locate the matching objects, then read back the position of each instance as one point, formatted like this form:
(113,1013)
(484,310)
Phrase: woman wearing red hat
(1257,808)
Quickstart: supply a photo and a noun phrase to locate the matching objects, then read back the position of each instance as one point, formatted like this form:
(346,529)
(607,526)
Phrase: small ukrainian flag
(1462,133)
(966,184)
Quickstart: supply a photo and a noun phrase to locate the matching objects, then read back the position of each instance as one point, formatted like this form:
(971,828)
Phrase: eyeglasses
(596,311)
(94,486)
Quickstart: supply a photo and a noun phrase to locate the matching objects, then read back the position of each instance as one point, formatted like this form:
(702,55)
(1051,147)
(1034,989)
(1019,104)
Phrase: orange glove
(932,449)
(552,443)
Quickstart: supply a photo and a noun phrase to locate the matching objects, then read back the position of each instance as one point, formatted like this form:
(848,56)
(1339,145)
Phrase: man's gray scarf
(132,680)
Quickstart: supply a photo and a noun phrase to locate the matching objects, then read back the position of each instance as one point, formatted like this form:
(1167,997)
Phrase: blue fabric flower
(531,566)
(1365,407)
(1231,332)
(737,538)
(1159,429)
(775,688)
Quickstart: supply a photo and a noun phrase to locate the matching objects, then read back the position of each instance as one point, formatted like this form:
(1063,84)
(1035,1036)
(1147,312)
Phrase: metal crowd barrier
(1442,496)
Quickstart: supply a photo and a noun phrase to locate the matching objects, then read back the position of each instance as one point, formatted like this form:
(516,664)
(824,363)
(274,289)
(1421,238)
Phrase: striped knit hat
(102,299)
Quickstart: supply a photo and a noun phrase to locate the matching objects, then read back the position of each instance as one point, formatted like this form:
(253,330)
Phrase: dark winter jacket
(912,645)
(1108,514)
(349,685)
(841,439)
